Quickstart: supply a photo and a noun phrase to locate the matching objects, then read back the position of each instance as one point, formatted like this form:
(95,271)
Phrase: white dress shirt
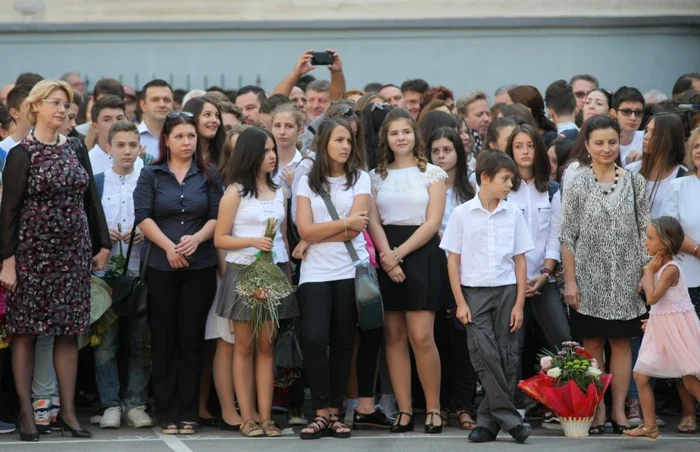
(149,140)
(118,205)
(539,216)
(681,203)
(101,161)
(487,242)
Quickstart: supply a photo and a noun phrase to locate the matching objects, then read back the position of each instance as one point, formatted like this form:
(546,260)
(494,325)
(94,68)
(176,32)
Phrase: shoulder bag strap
(334,214)
(144,264)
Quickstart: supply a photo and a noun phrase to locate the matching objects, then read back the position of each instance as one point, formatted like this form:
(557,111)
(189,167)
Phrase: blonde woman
(50,215)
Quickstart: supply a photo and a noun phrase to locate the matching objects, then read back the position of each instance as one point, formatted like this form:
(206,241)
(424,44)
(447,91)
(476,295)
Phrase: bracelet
(547,272)
(695,250)
(396,252)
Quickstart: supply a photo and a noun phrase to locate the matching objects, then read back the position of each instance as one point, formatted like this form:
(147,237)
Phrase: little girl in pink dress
(671,344)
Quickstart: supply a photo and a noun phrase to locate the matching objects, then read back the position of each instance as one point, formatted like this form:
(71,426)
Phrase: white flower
(554,372)
(594,372)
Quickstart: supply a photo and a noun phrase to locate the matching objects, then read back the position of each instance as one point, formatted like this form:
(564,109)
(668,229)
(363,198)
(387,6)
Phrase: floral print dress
(52,248)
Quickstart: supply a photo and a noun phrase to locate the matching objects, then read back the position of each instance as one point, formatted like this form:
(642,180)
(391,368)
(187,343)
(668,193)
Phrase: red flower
(584,353)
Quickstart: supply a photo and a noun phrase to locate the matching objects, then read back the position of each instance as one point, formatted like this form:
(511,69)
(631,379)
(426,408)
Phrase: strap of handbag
(144,264)
(334,214)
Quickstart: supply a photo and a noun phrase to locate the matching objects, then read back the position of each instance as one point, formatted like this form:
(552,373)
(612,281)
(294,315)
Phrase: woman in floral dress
(51,226)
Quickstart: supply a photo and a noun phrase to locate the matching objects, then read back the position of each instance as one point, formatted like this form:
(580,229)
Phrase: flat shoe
(642,432)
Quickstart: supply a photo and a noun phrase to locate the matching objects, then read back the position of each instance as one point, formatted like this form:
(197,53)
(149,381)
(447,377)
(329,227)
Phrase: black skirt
(583,326)
(427,285)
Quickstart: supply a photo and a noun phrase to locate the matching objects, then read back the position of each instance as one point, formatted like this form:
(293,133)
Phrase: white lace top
(251,221)
(402,198)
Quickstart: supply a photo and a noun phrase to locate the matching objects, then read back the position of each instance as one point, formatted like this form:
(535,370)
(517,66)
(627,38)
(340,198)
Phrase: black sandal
(335,427)
(319,427)
(597,429)
(430,427)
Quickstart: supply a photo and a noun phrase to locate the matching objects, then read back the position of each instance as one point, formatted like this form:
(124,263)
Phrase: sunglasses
(177,114)
(581,94)
(381,106)
(348,112)
(627,112)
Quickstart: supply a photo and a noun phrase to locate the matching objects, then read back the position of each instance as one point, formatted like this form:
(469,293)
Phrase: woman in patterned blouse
(604,215)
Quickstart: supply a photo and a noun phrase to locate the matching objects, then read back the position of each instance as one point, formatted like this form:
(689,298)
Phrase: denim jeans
(44,383)
(106,373)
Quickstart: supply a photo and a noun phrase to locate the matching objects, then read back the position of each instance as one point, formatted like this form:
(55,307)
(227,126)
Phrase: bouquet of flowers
(264,285)
(570,383)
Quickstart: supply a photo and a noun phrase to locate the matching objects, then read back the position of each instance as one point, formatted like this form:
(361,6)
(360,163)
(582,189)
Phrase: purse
(130,292)
(368,298)
(287,350)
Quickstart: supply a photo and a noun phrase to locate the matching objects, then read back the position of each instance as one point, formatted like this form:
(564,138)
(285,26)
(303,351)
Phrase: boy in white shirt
(116,187)
(487,239)
(628,108)
(105,113)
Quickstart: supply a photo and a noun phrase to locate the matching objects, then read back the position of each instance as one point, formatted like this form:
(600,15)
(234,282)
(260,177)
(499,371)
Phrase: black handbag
(287,350)
(368,298)
(130,292)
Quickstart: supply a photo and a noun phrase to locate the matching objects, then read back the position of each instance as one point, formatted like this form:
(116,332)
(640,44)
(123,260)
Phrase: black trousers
(178,304)
(367,360)
(328,318)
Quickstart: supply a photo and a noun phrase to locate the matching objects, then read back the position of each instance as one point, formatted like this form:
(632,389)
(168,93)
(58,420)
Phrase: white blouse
(402,197)
(681,203)
(658,199)
(251,221)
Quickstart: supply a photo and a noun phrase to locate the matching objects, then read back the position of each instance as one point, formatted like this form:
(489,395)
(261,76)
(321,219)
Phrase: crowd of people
(496,226)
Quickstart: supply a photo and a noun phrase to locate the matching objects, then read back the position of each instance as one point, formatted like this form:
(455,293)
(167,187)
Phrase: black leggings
(178,304)
(367,359)
(328,319)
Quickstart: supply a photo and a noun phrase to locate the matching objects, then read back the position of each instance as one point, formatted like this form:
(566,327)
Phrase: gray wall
(462,54)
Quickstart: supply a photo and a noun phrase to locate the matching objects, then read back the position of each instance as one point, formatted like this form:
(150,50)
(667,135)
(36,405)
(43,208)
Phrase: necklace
(58,139)
(612,189)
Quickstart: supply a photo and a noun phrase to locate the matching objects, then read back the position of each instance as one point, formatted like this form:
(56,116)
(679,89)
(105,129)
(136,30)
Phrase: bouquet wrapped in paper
(569,383)
(264,285)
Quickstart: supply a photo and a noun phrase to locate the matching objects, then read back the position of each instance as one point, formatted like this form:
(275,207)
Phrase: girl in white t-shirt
(250,200)
(327,280)
(410,197)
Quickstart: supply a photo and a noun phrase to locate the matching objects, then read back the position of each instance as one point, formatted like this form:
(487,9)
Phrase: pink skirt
(671,346)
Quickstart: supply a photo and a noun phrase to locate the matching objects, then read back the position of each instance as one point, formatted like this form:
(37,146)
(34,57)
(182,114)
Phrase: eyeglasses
(381,106)
(626,112)
(348,112)
(57,102)
(177,114)
(581,94)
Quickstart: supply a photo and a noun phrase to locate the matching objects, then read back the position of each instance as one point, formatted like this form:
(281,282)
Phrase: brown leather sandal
(251,429)
(642,432)
(270,429)
(688,425)
(465,424)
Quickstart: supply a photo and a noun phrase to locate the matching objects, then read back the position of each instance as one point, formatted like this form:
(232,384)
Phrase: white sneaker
(350,406)
(112,418)
(138,418)
(388,405)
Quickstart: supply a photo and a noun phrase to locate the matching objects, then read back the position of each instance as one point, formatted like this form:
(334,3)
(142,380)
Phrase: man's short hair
(108,101)
(122,126)
(17,95)
(231,108)
(155,83)
(253,89)
(272,102)
(29,78)
(372,87)
(627,94)
(108,86)
(319,86)
(491,162)
(586,77)
(469,98)
(560,98)
(685,82)
(504,89)
(417,85)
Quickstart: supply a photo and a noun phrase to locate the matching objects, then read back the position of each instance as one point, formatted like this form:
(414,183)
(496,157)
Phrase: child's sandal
(465,424)
(270,429)
(642,432)
(318,427)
